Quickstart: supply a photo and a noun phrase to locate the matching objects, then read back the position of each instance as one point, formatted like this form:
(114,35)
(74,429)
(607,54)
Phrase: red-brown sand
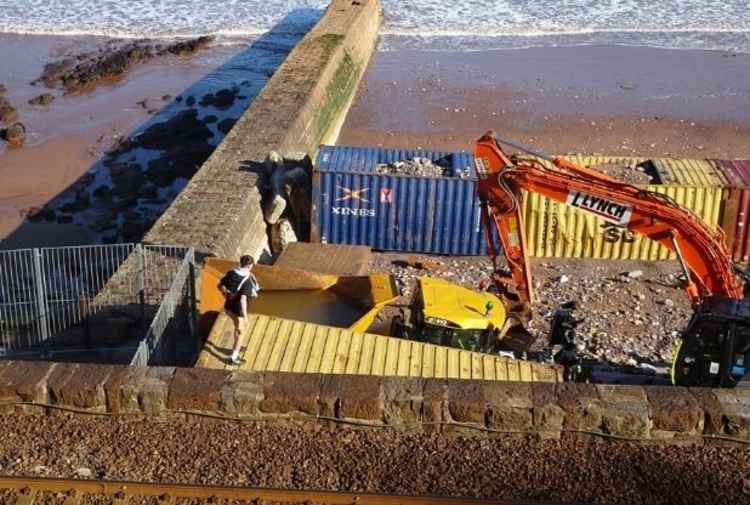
(606,100)
(66,138)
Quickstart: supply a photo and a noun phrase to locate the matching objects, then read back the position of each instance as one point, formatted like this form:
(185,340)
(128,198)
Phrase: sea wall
(450,407)
(303,105)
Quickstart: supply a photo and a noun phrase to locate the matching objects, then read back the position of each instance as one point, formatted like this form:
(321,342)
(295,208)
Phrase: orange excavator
(714,350)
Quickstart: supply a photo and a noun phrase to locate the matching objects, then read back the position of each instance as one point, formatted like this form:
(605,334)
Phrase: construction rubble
(632,311)
(419,167)
(632,174)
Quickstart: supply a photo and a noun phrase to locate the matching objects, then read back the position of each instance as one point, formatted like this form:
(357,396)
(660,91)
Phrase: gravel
(632,174)
(49,498)
(582,470)
(633,310)
(420,167)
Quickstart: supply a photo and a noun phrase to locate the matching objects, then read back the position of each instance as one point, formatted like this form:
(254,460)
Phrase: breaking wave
(419,24)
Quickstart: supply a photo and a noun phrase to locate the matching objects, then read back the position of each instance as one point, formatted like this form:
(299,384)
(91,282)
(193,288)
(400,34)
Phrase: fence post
(192,317)
(141,284)
(41,296)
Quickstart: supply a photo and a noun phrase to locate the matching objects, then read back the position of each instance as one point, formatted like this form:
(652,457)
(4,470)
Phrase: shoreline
(63,175)
(612,100)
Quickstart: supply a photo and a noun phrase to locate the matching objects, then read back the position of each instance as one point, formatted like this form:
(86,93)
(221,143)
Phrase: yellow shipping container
(282,345)
(556,230)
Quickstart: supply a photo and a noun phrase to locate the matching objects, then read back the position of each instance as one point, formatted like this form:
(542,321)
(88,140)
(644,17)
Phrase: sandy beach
(606,100)
(66,168)
(616,100)
(66,138)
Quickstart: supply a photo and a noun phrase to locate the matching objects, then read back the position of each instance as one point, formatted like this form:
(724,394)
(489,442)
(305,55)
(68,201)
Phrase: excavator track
(32,491)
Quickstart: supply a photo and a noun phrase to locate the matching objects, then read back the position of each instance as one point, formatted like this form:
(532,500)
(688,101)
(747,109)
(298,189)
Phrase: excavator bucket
(350,302)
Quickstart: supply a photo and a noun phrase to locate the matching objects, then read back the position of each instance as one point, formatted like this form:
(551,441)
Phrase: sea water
(419,24)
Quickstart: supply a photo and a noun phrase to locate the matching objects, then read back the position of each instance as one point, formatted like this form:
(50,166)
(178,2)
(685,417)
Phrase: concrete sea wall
(303,105)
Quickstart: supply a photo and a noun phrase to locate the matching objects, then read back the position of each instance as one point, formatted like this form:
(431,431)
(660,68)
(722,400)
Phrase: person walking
(239,286)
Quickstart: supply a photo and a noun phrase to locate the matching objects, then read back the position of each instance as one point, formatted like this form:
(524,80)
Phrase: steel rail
(121,491)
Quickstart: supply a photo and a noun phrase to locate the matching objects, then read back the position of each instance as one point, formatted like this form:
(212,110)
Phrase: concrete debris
(623,319)
(282,234)
(287,188)
(274,209)
(420,167)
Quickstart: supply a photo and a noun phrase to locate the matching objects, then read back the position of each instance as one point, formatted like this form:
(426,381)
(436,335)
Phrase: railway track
(34,491)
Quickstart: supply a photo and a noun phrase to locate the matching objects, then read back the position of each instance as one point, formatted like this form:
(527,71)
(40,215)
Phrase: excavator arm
(701,250)
(714,350)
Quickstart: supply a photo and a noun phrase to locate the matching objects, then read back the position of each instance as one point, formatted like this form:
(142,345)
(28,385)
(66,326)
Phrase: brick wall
(469,408)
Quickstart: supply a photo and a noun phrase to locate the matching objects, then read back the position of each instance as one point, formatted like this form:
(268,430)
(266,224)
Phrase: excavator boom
(653,215)
(714,348)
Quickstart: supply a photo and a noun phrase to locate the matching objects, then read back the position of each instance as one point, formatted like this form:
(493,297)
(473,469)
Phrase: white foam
(587,31)
(702,24)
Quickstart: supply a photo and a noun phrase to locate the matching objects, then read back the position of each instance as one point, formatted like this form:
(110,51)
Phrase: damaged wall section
(303,105)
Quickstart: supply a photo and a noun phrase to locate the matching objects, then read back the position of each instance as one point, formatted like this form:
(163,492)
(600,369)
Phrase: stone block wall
(450,407)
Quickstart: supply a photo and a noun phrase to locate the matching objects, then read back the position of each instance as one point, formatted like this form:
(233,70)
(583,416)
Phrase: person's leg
(239,327)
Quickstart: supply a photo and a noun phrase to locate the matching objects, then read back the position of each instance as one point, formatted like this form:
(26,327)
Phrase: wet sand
(601,100)
(66,138)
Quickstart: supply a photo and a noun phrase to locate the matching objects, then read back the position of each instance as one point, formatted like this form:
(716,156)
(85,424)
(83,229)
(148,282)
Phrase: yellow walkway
(282,345)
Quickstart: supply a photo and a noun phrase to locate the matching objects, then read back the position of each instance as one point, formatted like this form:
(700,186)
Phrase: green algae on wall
(338,92)
(330,42)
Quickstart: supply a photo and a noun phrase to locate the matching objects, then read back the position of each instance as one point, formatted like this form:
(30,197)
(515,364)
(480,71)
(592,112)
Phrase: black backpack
(233,282)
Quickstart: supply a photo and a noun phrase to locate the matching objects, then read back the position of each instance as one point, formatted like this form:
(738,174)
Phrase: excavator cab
(714,350)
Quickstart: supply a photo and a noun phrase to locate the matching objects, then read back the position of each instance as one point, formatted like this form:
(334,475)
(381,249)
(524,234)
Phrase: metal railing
(176,312)
(65,296)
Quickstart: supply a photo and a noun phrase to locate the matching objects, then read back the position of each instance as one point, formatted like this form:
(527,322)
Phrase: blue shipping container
(354,205)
